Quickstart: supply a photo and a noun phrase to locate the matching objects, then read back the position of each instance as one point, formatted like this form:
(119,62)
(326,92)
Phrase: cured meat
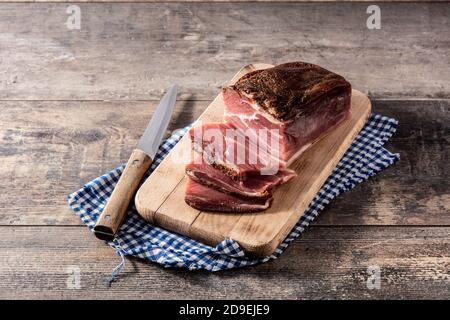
(255,186)
(287,90)
(237,154)
(271,117)
(301,101)
(203,198)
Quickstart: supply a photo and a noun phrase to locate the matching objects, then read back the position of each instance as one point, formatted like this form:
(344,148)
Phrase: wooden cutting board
(160,200)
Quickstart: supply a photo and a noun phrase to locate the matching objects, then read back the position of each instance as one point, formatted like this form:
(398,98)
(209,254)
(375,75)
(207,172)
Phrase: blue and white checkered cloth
(363,159)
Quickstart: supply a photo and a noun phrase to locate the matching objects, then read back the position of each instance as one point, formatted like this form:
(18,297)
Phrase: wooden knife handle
(115,210)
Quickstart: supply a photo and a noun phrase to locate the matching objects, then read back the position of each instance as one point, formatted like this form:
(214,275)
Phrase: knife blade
(140,160)
(153,134)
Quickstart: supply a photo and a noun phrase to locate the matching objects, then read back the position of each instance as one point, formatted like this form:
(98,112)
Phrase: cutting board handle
(115,210)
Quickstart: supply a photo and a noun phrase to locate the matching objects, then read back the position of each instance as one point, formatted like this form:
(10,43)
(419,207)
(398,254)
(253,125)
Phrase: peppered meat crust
(286,90)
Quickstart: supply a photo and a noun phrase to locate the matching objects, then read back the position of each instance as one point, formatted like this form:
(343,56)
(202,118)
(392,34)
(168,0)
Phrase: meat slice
(235,153)
(204,198)
(255,186)
(300,101)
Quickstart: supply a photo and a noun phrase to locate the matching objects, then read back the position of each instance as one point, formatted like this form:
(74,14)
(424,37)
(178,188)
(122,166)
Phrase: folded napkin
(365,157)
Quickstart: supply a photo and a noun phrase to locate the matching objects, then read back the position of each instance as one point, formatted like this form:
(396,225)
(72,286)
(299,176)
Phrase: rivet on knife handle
(115,210)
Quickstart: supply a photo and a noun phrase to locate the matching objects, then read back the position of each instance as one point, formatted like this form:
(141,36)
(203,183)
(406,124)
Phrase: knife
(139,162)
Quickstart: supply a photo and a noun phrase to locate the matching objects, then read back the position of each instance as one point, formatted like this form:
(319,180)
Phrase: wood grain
(127,51)
(418,185)
(324,263)
(51,148)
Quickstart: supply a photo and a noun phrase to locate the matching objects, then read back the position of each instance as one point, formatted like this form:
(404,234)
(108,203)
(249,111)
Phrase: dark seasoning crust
(286,90)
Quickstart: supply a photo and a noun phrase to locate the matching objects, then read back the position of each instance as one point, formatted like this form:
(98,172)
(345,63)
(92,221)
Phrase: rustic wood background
(74,102)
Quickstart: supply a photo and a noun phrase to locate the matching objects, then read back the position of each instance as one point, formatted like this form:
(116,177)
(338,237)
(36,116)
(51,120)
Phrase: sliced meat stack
(200,197)
(271,117)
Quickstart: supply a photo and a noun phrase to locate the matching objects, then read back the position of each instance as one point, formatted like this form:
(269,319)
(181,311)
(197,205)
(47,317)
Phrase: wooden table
(74,102)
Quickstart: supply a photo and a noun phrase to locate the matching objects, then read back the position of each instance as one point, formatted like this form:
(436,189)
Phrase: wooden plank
(51,148)
(415,190)
(325,263)
(127,51)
